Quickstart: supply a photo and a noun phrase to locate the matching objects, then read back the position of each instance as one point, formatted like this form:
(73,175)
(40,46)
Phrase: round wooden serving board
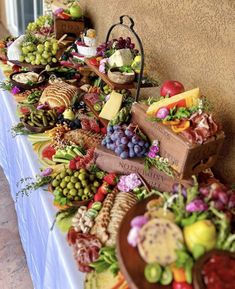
(131,264)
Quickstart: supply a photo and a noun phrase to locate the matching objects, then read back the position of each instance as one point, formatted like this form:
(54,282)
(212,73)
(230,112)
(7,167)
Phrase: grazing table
(48,255)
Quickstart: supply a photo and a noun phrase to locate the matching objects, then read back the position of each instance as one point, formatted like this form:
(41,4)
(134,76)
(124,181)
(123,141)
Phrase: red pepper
(181,285)
(63,16)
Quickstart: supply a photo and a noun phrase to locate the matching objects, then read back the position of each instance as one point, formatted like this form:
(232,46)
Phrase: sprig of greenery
(162,166)
(6,85)
(32,185)
(19,129)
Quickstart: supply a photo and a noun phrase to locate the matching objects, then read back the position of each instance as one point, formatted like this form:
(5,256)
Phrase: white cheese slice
(121,57)
(112,106)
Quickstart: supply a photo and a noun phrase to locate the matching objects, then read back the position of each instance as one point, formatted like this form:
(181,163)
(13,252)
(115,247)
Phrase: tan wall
(192,41)
(3,18)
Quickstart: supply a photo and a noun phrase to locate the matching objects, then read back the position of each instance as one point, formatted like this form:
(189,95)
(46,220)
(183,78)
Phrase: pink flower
(151,154)
(47,172)
(15,90)
(133,236)
(196,206)
(154,149)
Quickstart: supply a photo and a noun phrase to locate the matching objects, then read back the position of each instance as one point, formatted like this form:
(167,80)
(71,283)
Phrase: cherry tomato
(94,61)
(181,285)
(99,197)
(63,16)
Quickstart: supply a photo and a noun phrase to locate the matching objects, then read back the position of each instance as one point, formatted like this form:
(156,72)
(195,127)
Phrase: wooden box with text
(108,161)
(70,27)
(186,158)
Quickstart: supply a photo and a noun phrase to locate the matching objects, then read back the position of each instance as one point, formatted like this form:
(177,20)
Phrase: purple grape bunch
(125,142)
(116,44)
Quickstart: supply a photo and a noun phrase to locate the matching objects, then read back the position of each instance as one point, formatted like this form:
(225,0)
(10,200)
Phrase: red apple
(171,88)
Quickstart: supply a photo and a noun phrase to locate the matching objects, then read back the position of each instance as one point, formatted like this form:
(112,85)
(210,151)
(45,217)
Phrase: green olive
(63,184)
(65,191)
(82,171)
(76,174)
(63,175)
(67,179)
(92,178)
(94,189)
(69,172)
(80,192)
(86,191)
(84,183)
(96,184)
(73,192)
(70,197)
(58,189)
(55,183)
(76,198)
(70,185)
(82,177)
(74,180)
(78,185)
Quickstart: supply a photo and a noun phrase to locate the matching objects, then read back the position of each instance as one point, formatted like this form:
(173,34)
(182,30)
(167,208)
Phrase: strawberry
(104,189)
(72,164)
(90,204)
(103,130)
(111,179)
(99,197)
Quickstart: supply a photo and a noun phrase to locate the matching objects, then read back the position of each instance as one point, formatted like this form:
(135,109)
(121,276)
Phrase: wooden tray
(104,122)
(36,68)
(131,264)
(114,86)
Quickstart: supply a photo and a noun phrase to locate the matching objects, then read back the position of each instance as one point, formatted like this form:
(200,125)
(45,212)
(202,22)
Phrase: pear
(200,233)
(68,114)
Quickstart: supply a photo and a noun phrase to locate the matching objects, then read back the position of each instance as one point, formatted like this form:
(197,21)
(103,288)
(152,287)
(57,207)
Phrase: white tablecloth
(49,258)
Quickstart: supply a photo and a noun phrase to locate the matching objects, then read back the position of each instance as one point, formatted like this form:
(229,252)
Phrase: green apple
(75,11)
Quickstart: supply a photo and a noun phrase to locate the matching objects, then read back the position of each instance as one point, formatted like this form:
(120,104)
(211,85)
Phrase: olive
(58,189)
(65,191)
(80,192)
(96,184)
(55,183)
(86,191)
(70,185)
(73,192)
(82,171)
(82,177)
(70,197)
(76,198)
(67,179)
(76,174)
(63,184)
(84,183)
(63,175)
(78,185)
(94,189)
(91,177)
(74,180)
(69,172)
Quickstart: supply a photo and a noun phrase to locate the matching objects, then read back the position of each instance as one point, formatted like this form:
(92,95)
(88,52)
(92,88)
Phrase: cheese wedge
(185,99)
(112,106)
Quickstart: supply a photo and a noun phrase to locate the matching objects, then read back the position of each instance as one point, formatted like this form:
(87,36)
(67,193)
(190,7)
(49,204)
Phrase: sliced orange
(171,122)
(183,125)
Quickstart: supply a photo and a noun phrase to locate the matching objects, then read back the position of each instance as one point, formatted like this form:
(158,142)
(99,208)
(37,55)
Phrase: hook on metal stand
(131,29)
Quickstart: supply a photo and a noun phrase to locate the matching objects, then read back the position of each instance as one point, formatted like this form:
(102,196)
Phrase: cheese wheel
(158,241)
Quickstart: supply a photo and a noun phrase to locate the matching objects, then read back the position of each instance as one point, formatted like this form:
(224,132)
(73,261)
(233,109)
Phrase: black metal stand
(131,28)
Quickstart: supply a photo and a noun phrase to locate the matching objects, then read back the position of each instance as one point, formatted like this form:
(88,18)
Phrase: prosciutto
(201,129)
(86,248)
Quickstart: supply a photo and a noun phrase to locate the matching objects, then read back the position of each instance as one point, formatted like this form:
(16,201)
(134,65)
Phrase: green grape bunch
(39,51)
(43,25)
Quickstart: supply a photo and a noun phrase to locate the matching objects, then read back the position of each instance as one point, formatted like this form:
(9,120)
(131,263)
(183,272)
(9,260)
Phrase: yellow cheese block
(188,99)
(112,106)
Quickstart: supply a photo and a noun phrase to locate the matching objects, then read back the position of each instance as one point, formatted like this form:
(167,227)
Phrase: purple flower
(133,236)
(47,172)
(58,10)
(151,155)
(139,221)
(15,90)
(154,149)
(128,183)
(196,206)
(102,68)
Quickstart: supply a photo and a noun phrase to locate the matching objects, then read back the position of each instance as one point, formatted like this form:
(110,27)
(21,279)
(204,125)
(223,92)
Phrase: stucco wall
(3,18)
(192,41)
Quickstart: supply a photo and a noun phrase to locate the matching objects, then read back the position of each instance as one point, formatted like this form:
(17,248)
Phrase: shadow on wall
(190,41)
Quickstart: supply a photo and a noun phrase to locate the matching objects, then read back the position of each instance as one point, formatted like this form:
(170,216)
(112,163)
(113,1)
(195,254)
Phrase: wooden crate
(186,158)
(71,27)
(110,162)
